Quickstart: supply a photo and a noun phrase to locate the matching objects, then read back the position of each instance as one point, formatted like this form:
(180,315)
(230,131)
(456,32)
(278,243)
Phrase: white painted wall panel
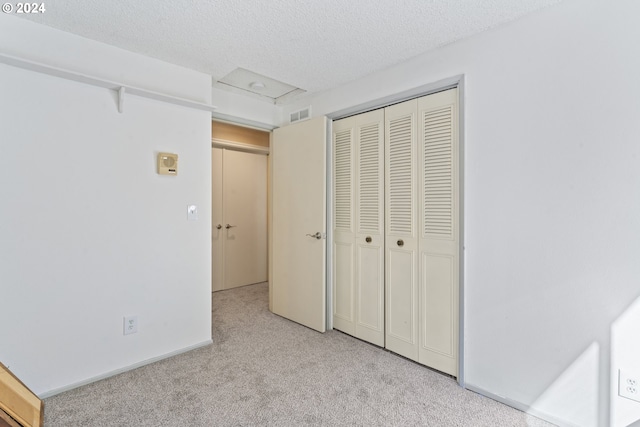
(90,232)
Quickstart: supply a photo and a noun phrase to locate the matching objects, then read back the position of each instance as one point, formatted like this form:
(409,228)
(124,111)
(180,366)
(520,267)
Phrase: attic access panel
(248,81)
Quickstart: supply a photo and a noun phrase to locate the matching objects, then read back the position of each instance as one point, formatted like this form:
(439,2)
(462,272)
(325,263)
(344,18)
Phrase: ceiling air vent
(300,115)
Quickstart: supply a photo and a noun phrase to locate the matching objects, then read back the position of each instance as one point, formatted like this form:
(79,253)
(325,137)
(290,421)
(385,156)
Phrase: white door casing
(298,213)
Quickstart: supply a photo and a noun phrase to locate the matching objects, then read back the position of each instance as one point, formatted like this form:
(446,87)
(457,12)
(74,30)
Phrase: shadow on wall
(587,391)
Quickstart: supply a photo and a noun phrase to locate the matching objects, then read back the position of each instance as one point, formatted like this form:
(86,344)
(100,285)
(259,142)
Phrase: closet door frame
(428,89)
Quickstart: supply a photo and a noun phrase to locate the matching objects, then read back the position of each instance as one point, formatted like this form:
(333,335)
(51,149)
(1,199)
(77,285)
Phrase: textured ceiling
(313,44)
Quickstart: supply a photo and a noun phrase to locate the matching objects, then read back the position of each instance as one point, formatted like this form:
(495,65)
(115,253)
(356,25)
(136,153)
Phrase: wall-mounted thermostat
(167,164)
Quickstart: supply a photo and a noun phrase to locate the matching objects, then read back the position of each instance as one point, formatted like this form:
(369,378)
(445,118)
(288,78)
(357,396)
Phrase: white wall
(89,232)
(245,110)
(552,201)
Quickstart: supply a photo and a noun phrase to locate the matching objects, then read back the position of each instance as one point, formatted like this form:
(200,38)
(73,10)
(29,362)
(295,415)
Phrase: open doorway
(239,206)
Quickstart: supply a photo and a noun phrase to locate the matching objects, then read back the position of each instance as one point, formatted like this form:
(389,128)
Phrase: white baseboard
(519,406)
(121,370)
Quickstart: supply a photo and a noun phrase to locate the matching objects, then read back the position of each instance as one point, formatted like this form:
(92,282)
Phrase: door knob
(368,239)
(219,226)
(318,235)
(228,226)
(401,243)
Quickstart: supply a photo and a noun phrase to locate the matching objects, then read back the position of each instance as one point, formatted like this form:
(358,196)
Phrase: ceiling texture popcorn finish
(312,45)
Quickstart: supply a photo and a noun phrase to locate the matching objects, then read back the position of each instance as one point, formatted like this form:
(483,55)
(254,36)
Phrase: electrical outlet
(629,385)
(130,324)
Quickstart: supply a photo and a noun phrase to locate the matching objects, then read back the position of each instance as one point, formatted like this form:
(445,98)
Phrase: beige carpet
(263,370)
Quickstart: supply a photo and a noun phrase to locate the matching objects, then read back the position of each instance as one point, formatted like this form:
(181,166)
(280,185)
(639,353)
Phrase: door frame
(257,150)
(428,89)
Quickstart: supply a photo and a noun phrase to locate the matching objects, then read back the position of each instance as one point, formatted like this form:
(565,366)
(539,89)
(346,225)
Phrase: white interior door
(343,280)
(239,218)
(439,231)
(244,227)
(401,295)
(370,227)
(422,237)
(298,191)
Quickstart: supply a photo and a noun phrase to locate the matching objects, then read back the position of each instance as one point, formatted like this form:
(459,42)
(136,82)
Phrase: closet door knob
(368,239)
(228,226)
(400,242)
(219,226)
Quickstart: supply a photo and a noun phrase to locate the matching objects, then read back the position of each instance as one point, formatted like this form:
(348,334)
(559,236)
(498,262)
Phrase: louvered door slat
(400,175)
(343,182)
(369,178)
(438,171)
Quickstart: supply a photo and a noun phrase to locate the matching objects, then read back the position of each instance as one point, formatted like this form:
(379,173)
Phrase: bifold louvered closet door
(358,277)
(417,178)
